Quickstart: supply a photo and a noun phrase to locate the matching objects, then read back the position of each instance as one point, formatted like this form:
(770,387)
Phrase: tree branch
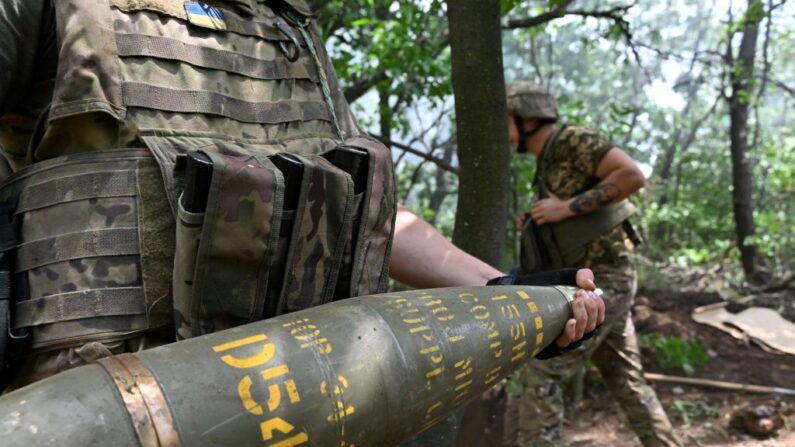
(435,160)
(548,16)
(561,11)
(666,54)
(362,85)
(784,87)
(615,14)
(414,177)
(534,59)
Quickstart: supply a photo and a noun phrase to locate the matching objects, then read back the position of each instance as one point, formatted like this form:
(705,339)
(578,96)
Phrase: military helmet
(531,100)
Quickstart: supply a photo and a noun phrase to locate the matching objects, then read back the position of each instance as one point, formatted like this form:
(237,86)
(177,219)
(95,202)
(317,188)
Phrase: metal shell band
(149,411)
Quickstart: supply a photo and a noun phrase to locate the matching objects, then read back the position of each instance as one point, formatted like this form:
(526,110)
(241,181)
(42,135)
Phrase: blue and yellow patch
(205,16)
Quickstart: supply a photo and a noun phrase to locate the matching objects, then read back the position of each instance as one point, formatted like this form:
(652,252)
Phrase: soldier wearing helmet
(579,219)
(527,99)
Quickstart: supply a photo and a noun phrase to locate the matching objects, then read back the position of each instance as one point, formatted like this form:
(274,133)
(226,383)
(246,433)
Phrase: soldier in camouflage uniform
(101,102)
(579,173)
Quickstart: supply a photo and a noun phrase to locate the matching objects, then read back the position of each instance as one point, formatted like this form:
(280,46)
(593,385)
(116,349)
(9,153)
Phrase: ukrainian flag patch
(205,16)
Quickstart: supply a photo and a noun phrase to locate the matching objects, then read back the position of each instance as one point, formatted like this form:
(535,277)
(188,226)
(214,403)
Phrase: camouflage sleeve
(20,26)
(585,147)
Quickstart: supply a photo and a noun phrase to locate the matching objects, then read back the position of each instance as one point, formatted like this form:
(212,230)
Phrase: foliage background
(653,76)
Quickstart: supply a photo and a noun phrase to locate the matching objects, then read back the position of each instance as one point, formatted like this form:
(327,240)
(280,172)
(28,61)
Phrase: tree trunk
(742,73)
(481,126)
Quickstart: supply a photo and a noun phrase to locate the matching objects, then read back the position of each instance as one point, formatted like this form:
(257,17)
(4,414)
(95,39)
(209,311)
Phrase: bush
(675,353)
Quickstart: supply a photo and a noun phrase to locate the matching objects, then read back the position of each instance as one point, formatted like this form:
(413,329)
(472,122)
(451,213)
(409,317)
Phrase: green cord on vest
(323,78)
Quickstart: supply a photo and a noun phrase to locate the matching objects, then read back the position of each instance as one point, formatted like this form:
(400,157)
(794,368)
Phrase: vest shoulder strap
(544,159)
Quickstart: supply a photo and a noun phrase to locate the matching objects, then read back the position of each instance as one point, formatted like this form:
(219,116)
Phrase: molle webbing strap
(323,76)
(238,240)
(78,187)
(166,48)
(79,305)
(87,244)
(191,101)
(176,9)
(321,231)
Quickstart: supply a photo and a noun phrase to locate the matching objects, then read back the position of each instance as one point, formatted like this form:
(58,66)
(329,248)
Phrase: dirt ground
(601,422)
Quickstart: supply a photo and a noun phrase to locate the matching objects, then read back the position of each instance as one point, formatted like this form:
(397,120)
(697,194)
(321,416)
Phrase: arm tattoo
(594,198)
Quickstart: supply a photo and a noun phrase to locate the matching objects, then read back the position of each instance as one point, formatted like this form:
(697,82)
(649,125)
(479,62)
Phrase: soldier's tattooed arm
(595,198)
(621,178)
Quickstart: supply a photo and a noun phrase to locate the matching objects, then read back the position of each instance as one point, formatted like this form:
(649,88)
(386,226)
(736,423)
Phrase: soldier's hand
(520,219)
(550,210)
(588,310)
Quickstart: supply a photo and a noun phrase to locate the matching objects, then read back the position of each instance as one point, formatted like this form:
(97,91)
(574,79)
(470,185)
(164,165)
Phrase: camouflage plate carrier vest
(246,83)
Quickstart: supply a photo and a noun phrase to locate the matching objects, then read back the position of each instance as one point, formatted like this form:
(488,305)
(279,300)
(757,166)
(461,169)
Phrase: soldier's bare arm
(423,258)
(620,178)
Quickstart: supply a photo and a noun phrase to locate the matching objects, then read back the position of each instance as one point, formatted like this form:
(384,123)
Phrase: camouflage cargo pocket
(321,231)
(238,240)
(355,162)
(292,172)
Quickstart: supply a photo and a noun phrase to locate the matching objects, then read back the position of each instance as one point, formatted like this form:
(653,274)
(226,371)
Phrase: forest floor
(600,421)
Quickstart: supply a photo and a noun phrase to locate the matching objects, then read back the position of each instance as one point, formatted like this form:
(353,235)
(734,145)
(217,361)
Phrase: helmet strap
(519,122)
(524,135)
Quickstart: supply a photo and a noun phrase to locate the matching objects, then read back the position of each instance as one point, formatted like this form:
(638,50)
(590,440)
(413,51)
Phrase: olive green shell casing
(366,371)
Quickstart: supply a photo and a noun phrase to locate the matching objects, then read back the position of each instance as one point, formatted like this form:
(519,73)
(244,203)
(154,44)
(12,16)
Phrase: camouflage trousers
(534,416)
